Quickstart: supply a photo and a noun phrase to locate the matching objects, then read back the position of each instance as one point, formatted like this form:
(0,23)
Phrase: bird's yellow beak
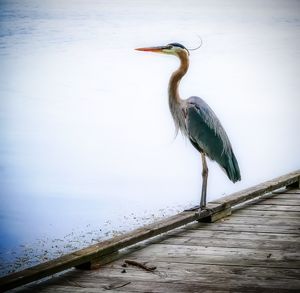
(152,49)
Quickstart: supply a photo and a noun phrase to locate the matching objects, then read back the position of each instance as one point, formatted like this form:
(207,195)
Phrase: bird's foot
(199,210)
(203,209)
(204,214)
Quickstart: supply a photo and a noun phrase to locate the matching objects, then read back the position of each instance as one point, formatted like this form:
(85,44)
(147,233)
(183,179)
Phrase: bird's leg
(204,182)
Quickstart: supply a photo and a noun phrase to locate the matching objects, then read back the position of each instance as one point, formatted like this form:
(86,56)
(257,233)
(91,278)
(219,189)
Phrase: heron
(197,121)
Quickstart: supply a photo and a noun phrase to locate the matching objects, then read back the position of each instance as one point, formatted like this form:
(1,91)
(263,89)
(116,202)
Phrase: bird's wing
(208,135)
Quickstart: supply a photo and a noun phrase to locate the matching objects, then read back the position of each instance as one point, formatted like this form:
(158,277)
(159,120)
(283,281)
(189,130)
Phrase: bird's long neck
(175,102)
(176,77)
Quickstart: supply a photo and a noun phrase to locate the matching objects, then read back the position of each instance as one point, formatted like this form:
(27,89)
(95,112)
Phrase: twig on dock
(140,265)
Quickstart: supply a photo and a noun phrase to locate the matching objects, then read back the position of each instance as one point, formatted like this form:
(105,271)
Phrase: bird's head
(171,49)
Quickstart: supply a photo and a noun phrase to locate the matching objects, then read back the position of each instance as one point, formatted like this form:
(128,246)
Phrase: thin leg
(204,182)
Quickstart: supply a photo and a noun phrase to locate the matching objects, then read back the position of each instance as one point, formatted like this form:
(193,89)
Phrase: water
(87,148)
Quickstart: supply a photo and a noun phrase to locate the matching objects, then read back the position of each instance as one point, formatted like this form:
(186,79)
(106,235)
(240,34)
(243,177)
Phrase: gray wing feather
(207,135)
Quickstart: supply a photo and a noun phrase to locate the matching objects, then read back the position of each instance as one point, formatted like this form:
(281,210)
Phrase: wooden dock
(256,248)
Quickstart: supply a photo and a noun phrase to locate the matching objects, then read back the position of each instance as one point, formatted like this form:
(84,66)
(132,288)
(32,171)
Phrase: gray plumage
(207,135)
(197,121)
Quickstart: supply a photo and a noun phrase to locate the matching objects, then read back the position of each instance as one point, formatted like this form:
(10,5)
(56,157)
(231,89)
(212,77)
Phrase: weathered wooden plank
(172,271)
(287,190)
(261,241)
(229,239)
(266,207)
(173,268)
(222,259)
(178,273)
(270,199)
(225,226)
(292,191)
(259,213)
(293,222)
(186,273)
(288,196)
(197,251)
(277,201)
(232,235)
(287,245)
(143,286)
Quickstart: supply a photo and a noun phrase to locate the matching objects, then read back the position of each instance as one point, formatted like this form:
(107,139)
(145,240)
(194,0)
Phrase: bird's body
(209,137)
(197,121)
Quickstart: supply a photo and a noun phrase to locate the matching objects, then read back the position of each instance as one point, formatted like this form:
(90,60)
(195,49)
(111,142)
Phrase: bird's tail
(232,169)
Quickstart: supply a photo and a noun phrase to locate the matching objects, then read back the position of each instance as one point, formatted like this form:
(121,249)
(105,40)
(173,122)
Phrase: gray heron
(197,121)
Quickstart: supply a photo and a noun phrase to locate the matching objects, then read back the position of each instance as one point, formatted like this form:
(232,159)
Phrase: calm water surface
(87,142)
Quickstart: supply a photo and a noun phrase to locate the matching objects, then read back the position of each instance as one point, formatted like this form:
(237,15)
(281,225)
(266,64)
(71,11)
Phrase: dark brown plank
(268,213)
(277,201)
(266,207)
